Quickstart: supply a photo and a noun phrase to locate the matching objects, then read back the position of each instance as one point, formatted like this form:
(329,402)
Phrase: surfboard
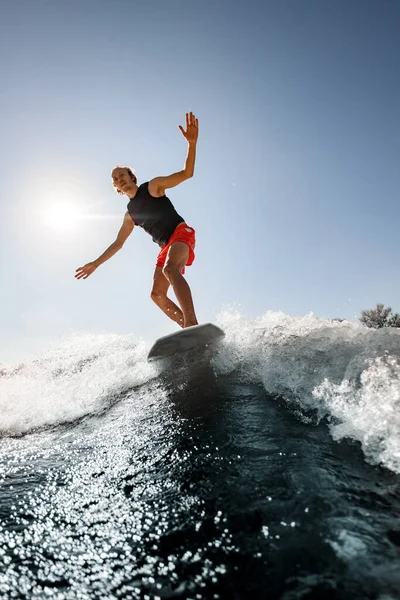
(185,339)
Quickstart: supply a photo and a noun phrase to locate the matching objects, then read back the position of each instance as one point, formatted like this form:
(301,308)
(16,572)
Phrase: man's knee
(158,298)
(171,272)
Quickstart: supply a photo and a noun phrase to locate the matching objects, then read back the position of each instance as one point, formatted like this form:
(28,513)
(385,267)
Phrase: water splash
(336,370)
(324,369)
(370,412)
(79,376)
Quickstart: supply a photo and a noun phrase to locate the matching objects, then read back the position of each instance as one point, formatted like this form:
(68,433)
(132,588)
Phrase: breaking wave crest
(340,371)
(324,369)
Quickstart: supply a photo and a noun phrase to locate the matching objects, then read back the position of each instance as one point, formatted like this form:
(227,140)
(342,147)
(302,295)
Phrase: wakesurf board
(185,339)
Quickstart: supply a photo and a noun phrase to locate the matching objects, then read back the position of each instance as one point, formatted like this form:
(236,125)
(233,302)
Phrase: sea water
(267,467)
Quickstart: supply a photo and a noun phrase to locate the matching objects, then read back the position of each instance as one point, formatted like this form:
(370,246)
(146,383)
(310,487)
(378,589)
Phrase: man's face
(122,180)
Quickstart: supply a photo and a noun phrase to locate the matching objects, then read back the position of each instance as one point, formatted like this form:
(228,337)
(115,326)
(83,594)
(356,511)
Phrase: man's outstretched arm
(158,185)
(124,232)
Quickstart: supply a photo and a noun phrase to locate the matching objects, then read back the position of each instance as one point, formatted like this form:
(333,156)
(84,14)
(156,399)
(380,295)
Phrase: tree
(380,317)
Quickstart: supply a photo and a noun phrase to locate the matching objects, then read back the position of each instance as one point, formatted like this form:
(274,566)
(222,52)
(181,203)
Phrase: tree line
(380,317)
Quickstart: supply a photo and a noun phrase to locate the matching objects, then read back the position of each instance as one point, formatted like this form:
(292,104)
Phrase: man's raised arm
(124,232)
(158,185)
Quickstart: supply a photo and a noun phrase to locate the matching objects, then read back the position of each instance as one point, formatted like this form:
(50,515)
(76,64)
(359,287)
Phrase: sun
(62,216)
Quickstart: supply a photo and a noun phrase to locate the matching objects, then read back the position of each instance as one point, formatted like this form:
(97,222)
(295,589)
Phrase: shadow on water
(205,487)
(306,516)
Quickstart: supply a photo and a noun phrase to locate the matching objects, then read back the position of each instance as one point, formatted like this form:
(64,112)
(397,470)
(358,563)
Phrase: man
(150,209)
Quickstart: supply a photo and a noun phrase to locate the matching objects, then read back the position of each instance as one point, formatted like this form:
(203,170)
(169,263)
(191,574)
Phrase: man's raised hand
(192,128)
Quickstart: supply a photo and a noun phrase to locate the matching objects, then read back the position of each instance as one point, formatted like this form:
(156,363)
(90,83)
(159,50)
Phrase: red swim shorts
(183,233)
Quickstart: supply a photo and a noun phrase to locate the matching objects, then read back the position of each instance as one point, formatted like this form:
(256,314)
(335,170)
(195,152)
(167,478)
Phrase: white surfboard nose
(185,339)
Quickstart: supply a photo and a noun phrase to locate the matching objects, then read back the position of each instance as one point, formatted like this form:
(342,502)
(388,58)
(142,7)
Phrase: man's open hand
(192,128)
(84,272)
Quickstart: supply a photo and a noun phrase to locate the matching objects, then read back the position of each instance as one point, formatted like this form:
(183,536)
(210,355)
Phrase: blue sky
(295,194)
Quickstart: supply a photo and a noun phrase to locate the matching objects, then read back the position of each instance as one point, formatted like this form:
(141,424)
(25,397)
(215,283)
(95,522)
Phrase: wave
(339,371)
(77,377)
(324,369)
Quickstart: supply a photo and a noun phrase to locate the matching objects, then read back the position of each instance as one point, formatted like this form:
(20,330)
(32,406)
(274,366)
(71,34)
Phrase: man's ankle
(190,323)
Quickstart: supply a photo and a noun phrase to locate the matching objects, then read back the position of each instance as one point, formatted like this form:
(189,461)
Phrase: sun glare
(62,216)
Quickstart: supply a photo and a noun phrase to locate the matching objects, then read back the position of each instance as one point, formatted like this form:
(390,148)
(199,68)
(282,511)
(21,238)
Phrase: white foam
(369,413)
(339,370)
(76,377)
(348,546)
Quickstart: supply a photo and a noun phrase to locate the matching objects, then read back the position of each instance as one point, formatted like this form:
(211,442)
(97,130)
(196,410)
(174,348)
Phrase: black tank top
(157,216)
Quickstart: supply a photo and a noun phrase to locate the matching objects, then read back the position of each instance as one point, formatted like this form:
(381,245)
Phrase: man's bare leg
(176,260)
(159,296)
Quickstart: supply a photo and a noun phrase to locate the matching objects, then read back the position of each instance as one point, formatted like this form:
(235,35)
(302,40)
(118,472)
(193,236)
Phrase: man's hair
(131,174)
